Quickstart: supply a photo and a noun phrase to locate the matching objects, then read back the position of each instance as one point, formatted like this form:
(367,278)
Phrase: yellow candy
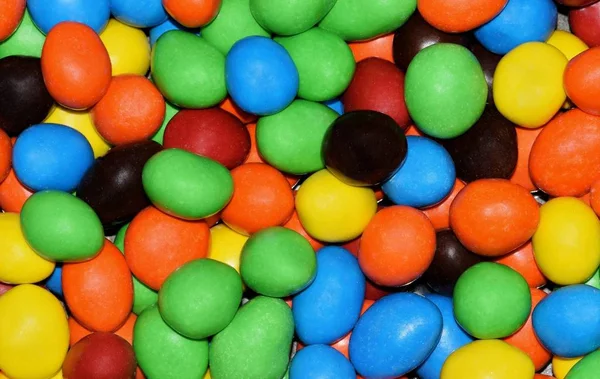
(226,245)
(128,48)
(34,334)
(207,375)
(82,122)
(562,366)
(569,44)
(528,84)
(488,359)
(566,244)
(19,264)
(333,211)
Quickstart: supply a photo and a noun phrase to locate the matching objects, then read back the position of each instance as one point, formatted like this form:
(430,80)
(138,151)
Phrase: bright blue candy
(261,76)
(395,335)
(567,322)
(519,22)
(47,13)
(167,26)
(54,282)
(328,309)
(425,178)
(51,157)
(321,362)
(453,337)
(336,105)
(139,13)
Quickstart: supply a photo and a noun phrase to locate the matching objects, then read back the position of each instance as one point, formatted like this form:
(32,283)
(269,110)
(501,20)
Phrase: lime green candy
(257,343)
(163,353)
(170,112)
(61,227)
(355,20)
(186,185)
(491,301)
(201,298)
(233,23)
(289,17)
(27,40)
(325,63)
(587,368)
(594,281)
(291,140)
(277,262)
(445,90)
(188,71)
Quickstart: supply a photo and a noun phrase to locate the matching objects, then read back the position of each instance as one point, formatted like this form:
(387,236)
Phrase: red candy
(585,24)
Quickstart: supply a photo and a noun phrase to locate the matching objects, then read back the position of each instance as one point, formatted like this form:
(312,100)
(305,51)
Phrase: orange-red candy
(380,47)
(132,110)
(157,244)
(564,159)
(294,224)
(262,198)
(582,81)
(526,340)
(5,155)
(439,214)
(525,139)
(192,13)
(594,197)
(459,16)
(10,16)
(413,131)
(523,262)
(492,217)
(397,246)
(231,107)
(13,194)
(75,65)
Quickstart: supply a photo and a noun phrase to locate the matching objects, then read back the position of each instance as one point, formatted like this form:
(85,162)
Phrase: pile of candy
(268,189)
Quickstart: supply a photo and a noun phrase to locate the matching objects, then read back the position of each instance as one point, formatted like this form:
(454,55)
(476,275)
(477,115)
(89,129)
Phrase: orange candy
(582,81)
(5,155)
(13,194)
(459,16)
(525,139)
(193,13)
(10,17)
(564,159)
(261,198)
(397,246)
(492,217)
(594,197)
(99,292)
(523,262)
(380,47)
(439,214)
(229,106)
(131,111)
(75,65)
(157,244)
(294,224)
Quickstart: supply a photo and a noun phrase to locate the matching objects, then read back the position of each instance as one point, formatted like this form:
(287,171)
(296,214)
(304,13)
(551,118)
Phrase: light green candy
(289,17)
(170,112)
(27,40)
(587,368)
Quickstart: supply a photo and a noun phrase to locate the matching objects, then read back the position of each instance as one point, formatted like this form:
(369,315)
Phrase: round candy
(27,40)
(525,140)
(226,245)
(48,13)
(580,82)
(24,99)
(192,13)
(445,90)
(566,244)
(562,366)
(459,16)
(491,301)
(144,14)
(321,361)
(519,22)
(5,155)
(127,47)
(60,227)
(523,261)
(426,177)
(289,18)
(167,26)
(587,367)
(170,112)
(488,61)
(584,23)
(261,76)
(12,17)
(54,282)
(569,44)
(439,214)
(51,157)
(13,194)
(295,225)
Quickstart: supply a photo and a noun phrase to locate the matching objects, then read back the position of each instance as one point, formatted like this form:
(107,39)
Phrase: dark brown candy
(24,99)
(487,150)
(489,62)
(364,148)
(451,259)
(416,34)
(113,185)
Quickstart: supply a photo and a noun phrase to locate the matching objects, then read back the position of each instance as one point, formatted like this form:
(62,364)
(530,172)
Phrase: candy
(226,245)
(26,40)
(576,3)
(167,26)
(525,140)
(459,16)
(48,13)
(523,261)
(170,112)
(562,366)
(321,361)
(144,14)
(379,47)
(569,44)
(54,282)
(193,13)
(5,155)
(587,367)
(488,61)
(13,194)
(290,18)
(580,81)
(127,47)
(439,214)
(13,14)
(583,22)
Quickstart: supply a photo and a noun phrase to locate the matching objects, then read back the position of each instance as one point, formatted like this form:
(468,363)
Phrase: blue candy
(567,322)
(336,105)
(261,76)
(519,22)
(139,13)
(321,362)
(51,157)
(167,26)
(425,178)
(54,282)
(47,13)
(328,309)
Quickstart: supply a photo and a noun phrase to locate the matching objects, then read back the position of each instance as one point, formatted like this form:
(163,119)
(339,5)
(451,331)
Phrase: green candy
(355,20)
(491,301)
(289,17)
(277,262)
(187,185)
(170,111)
(27,40)
(163,353)
(257,343)
(291,140)
(201,298)
(188,71)
(233,23)
(445,90)
(594,280)
(61,227)
(587,368)
(325,63)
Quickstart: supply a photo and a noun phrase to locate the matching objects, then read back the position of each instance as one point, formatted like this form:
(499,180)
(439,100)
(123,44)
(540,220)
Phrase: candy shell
(380,47)
(583,23)
(289,18)
(27,40)
(144,14)
(321,361)
(13,13)
(587,367)
(580,81)
(127,47)
(569,44)
(193,13)
(48,13)
(459,16)
(523,261)
(226,245)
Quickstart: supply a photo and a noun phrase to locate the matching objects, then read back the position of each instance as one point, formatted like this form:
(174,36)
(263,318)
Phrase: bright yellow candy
(19,264)
(568,44)
(226,245)
(128,48)
(333,211)
(207,375)
(488,359)
(528,84)
(566,243)
(562,366)
(34,334)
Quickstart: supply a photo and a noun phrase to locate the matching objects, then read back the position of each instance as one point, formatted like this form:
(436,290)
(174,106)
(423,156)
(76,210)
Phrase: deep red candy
(585,24)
